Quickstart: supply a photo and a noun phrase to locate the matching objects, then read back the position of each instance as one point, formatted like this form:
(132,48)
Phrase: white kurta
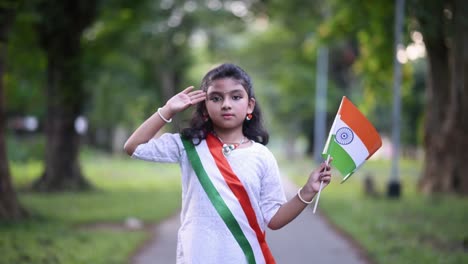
(203,236)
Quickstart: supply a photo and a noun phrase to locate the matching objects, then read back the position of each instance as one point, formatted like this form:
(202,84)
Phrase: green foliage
(134,47)
(64,226)
(413,102)
(370,25)
(138,56)
(283,71)
(23,149)
(114,73)
(10,4)
(298,16)
(25,71)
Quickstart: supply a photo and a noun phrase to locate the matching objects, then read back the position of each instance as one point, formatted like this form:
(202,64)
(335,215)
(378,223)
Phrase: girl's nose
(226,104)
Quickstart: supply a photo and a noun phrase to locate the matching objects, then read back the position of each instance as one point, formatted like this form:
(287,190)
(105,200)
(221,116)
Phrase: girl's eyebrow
(228,92)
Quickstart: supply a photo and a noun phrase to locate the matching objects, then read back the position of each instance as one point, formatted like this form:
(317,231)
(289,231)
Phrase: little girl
(231,188)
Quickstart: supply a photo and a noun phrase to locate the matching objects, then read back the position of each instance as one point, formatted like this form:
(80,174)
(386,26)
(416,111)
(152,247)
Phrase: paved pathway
(308,239)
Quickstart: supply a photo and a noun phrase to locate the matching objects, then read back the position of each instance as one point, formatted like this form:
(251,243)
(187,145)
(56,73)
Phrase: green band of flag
(341,159)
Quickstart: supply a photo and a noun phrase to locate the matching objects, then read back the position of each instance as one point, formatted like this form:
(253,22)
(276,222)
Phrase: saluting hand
(185,99)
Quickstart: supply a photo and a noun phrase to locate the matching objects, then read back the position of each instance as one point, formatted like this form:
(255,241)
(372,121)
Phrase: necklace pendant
(227,149)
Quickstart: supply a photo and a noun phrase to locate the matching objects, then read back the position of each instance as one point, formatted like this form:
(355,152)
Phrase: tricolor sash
(239,191)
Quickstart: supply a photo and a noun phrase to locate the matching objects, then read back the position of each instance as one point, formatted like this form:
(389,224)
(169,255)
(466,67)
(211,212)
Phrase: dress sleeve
(166,148)
(272,194)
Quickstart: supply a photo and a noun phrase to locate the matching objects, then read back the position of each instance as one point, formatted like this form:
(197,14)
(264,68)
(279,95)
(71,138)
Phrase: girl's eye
(215,98)
(236,97)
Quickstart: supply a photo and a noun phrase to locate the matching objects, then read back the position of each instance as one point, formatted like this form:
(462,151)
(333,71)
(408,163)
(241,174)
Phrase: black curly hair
(200,127)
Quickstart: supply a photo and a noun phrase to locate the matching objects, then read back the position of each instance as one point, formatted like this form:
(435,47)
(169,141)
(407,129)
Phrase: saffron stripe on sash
(239,191)
(218,201)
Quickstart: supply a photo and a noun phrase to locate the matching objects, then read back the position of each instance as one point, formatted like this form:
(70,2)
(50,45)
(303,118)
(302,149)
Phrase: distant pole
(320,103)
(394,186)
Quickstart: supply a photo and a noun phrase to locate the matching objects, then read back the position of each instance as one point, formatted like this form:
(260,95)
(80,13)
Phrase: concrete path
(308,239)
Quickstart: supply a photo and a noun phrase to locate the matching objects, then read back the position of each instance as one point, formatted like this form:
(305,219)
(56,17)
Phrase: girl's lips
(227,115)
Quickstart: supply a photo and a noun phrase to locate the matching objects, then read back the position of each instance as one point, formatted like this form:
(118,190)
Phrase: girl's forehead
(225,85)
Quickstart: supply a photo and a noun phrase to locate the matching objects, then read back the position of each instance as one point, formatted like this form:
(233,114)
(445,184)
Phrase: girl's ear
(251,105)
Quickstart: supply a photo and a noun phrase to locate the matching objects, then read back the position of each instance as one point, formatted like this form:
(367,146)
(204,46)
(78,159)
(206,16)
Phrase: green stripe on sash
(217,201)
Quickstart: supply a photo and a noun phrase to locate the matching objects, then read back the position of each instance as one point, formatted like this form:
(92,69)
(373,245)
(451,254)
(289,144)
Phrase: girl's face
(227,104)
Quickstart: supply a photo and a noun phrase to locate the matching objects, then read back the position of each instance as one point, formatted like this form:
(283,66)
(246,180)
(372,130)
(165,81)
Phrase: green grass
(57,242)
(56,233)
(412,229)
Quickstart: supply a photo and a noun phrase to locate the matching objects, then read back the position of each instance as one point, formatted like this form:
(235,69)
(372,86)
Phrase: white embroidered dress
(203,236)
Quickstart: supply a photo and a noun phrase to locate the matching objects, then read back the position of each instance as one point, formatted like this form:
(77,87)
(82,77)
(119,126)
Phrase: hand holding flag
(351,141)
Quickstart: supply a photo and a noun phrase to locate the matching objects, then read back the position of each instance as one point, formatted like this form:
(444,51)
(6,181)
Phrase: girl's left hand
(322,173)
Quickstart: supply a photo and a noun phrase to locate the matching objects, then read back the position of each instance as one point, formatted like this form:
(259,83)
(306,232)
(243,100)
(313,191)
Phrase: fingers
(324,172)
(324,167)
(194,96)
(188,89)
(197,96)
(325,175)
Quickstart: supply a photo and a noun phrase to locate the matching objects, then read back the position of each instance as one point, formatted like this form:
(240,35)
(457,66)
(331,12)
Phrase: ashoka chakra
(344,136)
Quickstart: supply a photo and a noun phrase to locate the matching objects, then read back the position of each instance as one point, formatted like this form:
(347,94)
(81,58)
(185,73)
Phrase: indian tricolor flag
(352,139)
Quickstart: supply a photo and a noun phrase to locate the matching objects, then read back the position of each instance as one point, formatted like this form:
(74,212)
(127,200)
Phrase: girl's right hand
(152,125)
(184,100)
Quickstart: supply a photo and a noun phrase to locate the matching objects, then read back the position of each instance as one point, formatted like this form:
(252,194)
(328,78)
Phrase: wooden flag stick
(321,184)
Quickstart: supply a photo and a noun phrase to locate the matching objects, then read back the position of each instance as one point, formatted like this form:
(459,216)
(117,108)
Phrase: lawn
(412,229)
(63,229)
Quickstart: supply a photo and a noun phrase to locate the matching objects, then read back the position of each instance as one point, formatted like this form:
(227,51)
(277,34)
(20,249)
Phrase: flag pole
(321,184)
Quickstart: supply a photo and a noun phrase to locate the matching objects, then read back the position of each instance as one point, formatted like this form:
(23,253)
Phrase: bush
(24,148)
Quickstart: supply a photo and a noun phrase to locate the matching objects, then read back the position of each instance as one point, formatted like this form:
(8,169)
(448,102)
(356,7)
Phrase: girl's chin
(227,125)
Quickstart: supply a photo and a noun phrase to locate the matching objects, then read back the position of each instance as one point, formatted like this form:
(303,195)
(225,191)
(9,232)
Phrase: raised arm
(295,206)
(154,123)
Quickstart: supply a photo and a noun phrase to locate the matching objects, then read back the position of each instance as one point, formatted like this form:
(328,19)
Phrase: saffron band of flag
(352,139)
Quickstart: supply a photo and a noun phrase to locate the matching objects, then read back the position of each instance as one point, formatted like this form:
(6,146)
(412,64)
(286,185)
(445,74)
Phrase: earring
(249,117)
(206,118)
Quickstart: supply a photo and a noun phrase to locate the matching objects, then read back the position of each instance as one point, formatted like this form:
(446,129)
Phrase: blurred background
(77,77)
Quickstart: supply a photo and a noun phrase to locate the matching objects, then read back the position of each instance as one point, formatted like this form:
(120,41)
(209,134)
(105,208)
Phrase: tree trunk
(64,104)
(9,205)
(446,123)
(60,32)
